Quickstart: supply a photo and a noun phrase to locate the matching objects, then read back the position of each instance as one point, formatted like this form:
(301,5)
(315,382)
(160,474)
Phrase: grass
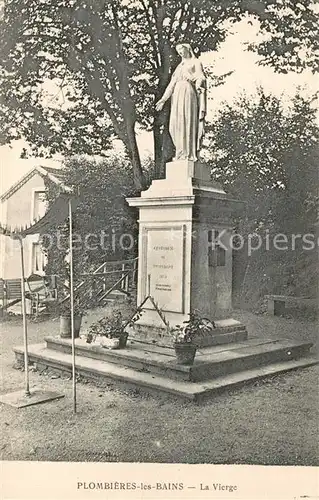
(271,422)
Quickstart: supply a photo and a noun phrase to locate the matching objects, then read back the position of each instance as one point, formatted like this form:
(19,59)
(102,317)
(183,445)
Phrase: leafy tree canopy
(101,219)
(112,60)
(258,147)
(290,34)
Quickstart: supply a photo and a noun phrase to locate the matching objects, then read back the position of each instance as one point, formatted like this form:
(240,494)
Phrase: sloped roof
(54,174)
(57,212)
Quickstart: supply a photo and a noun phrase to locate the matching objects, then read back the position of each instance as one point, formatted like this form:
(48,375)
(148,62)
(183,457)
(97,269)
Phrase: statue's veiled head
(184,50)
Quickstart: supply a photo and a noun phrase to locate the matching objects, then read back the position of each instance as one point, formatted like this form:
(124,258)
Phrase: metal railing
(110,276)
(95,287)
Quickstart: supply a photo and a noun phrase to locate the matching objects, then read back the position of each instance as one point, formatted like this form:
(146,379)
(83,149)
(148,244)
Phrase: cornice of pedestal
(157,201)
(184,179)
(187,183)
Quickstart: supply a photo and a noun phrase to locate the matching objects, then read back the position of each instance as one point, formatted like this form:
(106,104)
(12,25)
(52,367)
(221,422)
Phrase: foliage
(112,326)
(110,61)
(267,155)
(101,218)
(290,42)
(80,307)
(192,328)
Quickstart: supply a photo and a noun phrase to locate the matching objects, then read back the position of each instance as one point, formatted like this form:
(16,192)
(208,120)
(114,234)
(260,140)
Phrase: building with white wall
(21,205)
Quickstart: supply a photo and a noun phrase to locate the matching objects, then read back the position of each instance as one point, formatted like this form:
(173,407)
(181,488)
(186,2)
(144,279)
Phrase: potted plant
(185,337)
(110,330)
(65,319)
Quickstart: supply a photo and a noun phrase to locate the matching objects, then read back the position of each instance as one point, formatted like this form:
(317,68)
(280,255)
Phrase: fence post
(92,287)
(104,279)
(134,271)
(122,276)
(5,295)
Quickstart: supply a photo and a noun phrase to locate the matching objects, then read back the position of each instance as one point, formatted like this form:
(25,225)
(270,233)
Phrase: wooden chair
(41,290)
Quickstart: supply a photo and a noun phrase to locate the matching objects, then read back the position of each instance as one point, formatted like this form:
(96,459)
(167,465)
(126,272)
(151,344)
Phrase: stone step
(210,362)
(129,378)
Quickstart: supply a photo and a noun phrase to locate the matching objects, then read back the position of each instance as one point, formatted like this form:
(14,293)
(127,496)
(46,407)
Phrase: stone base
(19,399)
(226,331)
(154,370)
(182,178)
(185,256)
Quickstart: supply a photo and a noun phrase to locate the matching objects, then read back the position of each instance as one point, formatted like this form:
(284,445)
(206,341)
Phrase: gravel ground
(272,422)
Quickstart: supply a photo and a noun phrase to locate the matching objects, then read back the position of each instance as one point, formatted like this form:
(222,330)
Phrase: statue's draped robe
(188,108)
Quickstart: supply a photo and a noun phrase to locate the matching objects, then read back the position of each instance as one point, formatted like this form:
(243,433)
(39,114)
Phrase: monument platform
(152,369)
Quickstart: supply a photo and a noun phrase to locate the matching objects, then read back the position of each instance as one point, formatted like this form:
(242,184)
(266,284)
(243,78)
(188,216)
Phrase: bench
(276,304)
(13,289)
(10,293)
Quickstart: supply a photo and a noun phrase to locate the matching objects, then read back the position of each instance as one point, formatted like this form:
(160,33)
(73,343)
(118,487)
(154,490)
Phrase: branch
(60,89)
(153,41)
(188,18)
(183,9)
(105,103)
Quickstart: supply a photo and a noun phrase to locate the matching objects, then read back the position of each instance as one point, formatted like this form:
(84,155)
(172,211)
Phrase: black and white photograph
(159,238)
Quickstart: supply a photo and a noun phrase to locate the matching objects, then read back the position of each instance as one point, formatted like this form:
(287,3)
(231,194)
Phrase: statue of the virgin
(187,90)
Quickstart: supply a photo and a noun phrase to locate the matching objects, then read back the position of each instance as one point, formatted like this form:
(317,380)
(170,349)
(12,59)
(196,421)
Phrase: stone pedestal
(185,257)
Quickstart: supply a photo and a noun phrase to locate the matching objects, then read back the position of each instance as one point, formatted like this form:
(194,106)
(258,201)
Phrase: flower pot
(185,353)
(77,325)
(123,340)
(65,326)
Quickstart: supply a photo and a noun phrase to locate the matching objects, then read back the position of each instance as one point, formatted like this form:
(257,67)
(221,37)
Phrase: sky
(247,75)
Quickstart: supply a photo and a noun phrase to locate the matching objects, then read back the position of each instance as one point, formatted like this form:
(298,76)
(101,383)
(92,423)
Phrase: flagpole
(72,304)
(24,316)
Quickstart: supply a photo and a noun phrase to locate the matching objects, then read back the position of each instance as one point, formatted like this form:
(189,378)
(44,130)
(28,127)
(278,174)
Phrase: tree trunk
(134,155)
(168,148)
(158,143)
(163,145)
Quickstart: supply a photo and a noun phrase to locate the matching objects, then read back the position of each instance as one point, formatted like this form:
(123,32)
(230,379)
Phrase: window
(38,259)
(39,205)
